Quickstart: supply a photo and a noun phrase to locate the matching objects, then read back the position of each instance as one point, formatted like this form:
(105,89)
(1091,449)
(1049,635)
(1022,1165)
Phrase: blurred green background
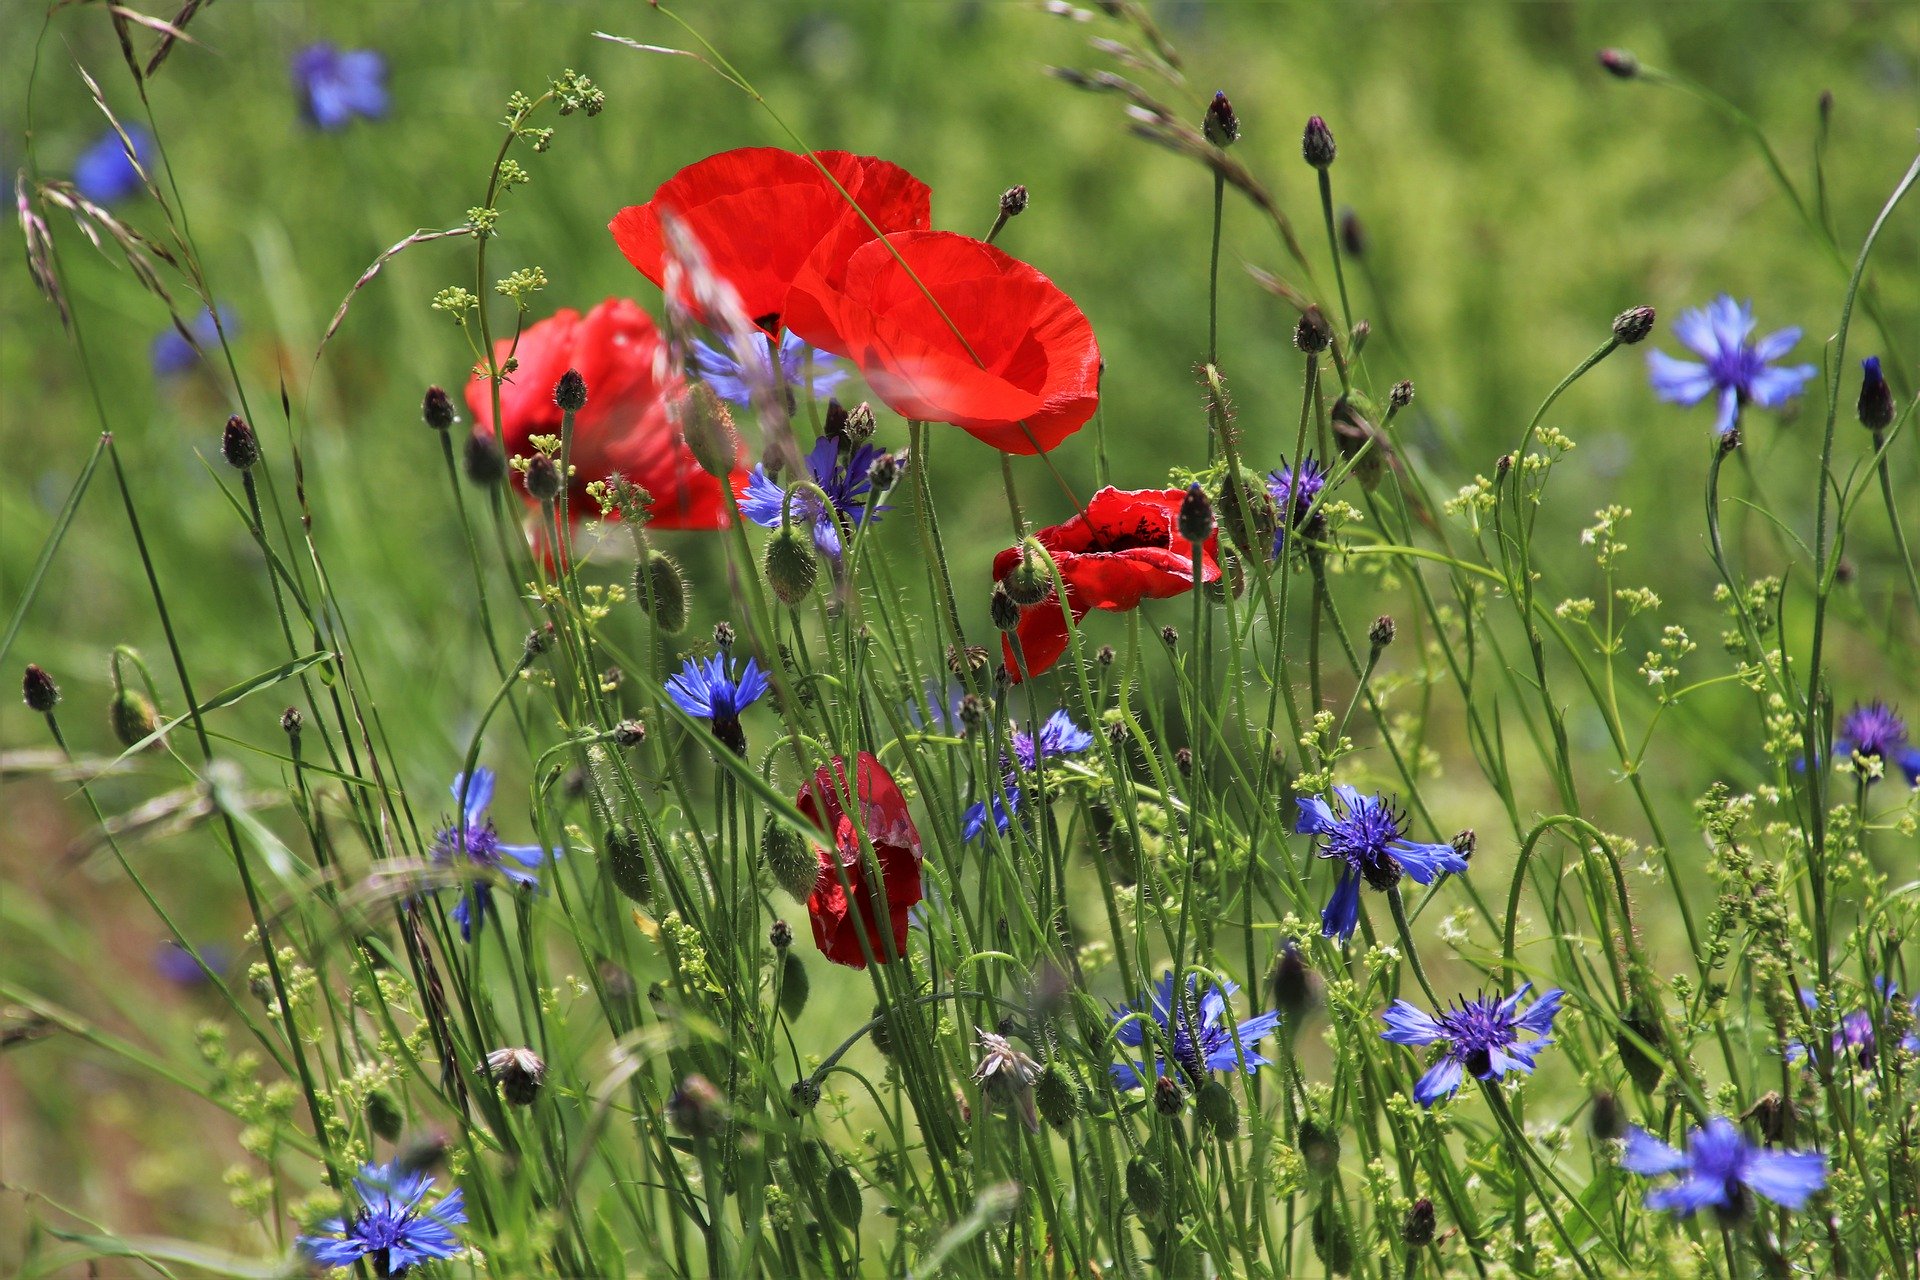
(1514,198)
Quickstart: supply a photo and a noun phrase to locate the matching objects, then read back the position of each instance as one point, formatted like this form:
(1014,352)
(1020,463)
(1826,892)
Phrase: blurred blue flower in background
(1719,1168)
(105,175)
(173,354)
(335,84)
(733,384)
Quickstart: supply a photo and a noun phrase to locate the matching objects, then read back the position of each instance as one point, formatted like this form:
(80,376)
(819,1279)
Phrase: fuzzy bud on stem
(437,409)
(570,393)
(238,445)
(1633,325)
(1221,126)
(1316,144)
(1876,407)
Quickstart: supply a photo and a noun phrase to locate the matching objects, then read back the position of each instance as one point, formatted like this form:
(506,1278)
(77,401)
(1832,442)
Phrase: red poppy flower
(1125,549)
(767,217)
(624,428)
(1006,356)
(889,828)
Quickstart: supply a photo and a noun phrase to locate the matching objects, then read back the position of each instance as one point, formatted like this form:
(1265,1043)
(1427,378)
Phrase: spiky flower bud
(238,445)
(1169,1099)
(1416,1229)
(1353,234)
(660,589)
(1221,126)
(1357,339)
(790,984)
(1218,1111)
(518,1072)
(1633,325)
(790,565)
(1013,201)
(629,733)
(780,936)
(538,641)
(707,424)
(437,409)
(543,478)
(860,424)
(885,472)
(570,393)
(1876,407)
(1105,655)
(1381,633)
(1311,334)
(1057,1096)
(972,714)
(1146,1188)
(1183,759)
(38,688)
(1619,63)
(723,635)
(485,464)
(697,1108)
(793,864)
(1401,395)
(1169,636)
(1001,608)
(1316,144)
(627,864)
(1195,521)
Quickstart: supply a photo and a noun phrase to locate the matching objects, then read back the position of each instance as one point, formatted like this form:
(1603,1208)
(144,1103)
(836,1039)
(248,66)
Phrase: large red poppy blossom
(1125,549)
(625,428)
(888,827)
(766,218)
(1005,355)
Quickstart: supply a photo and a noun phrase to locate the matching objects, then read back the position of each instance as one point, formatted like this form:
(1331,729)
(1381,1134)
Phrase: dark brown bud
(1104,655)
(1169,637)
(1604,1120)
(1401,395)
(1380,634)
(1316,144)
(630,733)
(1633,325)
(723,635)
(291,721)
(1353,234)
(781,935)
(1195,520)
(1168,1098)
(1773,1116)
(543,478)
(38,688)
(238,445)
(1001,608)
(1013,201)
(570,393)
(437,409)
(1221,126)
(1183,759)
(1294,985)
(1465,843)
(1876,407)
(1416,1229)
(1311,334)
(486,465)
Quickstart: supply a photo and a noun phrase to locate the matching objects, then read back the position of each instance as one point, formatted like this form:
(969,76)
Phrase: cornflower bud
(1056,1096)
(973,714)
(884,473)
(238,445)
(1311,334)
(1619,63)
(1218,1111)
(1465,843)
(1416,1229)
(629,733)
(1221,126)
(1104,655)
(518,1072)
(1195,520)
(805,1094)
(1316,144)
(780,936)
(1730,440)
(538,641)
(291,722)
(861,425)
(570,393)
(1320,1148)
(723,635)
(695,1108)
(1381,633)
(437,409)
(1876,396)
(1401,395)
(1169,637)
(1357,340)
(1183,759)
(1633,325)
(485,464)
(39,690)
(1013,201)
(543,478)
(1168,1098)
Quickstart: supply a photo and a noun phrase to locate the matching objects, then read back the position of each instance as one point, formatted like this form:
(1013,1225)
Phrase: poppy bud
(794,866)
(1218,1111)
(1876,397)
(805,1094)
(437,409)
(382,1116)
(884,473)
(1145,1187)
(790,987)
(1401,395)
(1168,1098)
(131,717)
(627,864)
(661,591)
(238,445)
(1294,984)
(291,722)
(1311,334)
(1316,144)
(485,464)
(860,424)
(629,733)
(1028,582)
(1013,201)
(38,688)
(570,393)
(790,565)
(1633,325)
(1221,125)
(1320,1148)
(1056,1096)
(1195,521)
(518,1072)
(843,1198)
(695,1108)
(1380,634)
(708,427)
(1417,1227)
(1619,63)
(543,478)
(1001,608)
(1604,1121)
(1353,234)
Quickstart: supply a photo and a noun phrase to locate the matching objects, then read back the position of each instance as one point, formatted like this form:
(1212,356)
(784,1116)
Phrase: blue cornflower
(843,478)
(1720,1168)
(719,370)
(474,838)
(1876,730)
(174,354)
(1736,371)
(104,174)
(1059,736)
(335,85)
(1855,1034)
(391,1229)
(1482,1037)
(1293,490)
(1201,1040)
(1366,834)
(709,690)
(176,964)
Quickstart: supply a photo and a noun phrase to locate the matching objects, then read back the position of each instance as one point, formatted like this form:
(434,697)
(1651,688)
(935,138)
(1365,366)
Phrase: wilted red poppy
(1125,549)
(889,828)
(767,217)
(624,428)
(1006,356)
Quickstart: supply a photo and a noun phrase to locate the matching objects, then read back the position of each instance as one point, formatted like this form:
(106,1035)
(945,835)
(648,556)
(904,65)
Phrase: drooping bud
(1218,1111)
(1381,633)
(437,409)
(1416,1229)
(794,865)
(790,984)
(131,717)
(1633,325)
(1028,582)
(1146,1188)
(39,690)
(1316,144)
(627,864)
(1319,1147)
(1057,1096)
(660,589)
(570,393)
(1311,334)
(707,424)
(543,478)
(790,565)
(518,1072)
(1001,608)
(485,464)
(1195,520)
(1353,234)
(696,1108)
(238,445)
(1296,988)
(1619,63)
(1221,126)
(1169,1099)
(1013,201)
(1006,1078)
(1876,396)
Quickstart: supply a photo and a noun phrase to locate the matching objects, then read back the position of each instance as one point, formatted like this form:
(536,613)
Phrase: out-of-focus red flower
(625,428)
(767,218)
(889,828)
(1125,549)
(1005,356)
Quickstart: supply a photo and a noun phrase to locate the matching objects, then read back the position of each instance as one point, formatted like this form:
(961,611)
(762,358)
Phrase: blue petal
(1729,414)
(1423,862)
(474,796)
(1343,909)
(1678,381)
(1772,388)
(1539,1019)
(1440,1081)
(1315,817)
(1786,1177)
(1689,1196)
(1410,1025)
(1648,1156)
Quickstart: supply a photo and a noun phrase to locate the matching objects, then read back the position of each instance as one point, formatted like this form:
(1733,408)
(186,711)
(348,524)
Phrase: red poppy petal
(1043,637)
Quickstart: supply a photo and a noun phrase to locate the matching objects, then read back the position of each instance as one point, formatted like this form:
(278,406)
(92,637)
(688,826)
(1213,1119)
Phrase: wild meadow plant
(1176,955)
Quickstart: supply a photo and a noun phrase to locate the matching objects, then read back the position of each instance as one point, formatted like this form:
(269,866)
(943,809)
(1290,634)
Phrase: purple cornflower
(1736,371)
(1720,1168)
(1482,1037)
(1876,730)
(1293,490)
(841,477)
(1855,1034)
(335,85)
(1059,736)
(719,370)
(709,690)
(474,838)
(1367,835)
(1201,1041)
(105,175)
(392,1229)
(173,354)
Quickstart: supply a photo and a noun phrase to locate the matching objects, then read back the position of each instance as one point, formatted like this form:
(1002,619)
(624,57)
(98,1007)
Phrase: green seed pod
(843,1198)
(1320,1147)
(1028,582)
(794,865)
(627,864)
(791,985)
(1247,514)
(1146,1188)
(383,1117)
(790,565)
(708,427)
(661,591)
(1057,1096)
(132,717)
(1643,1067)
(1218,1110)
